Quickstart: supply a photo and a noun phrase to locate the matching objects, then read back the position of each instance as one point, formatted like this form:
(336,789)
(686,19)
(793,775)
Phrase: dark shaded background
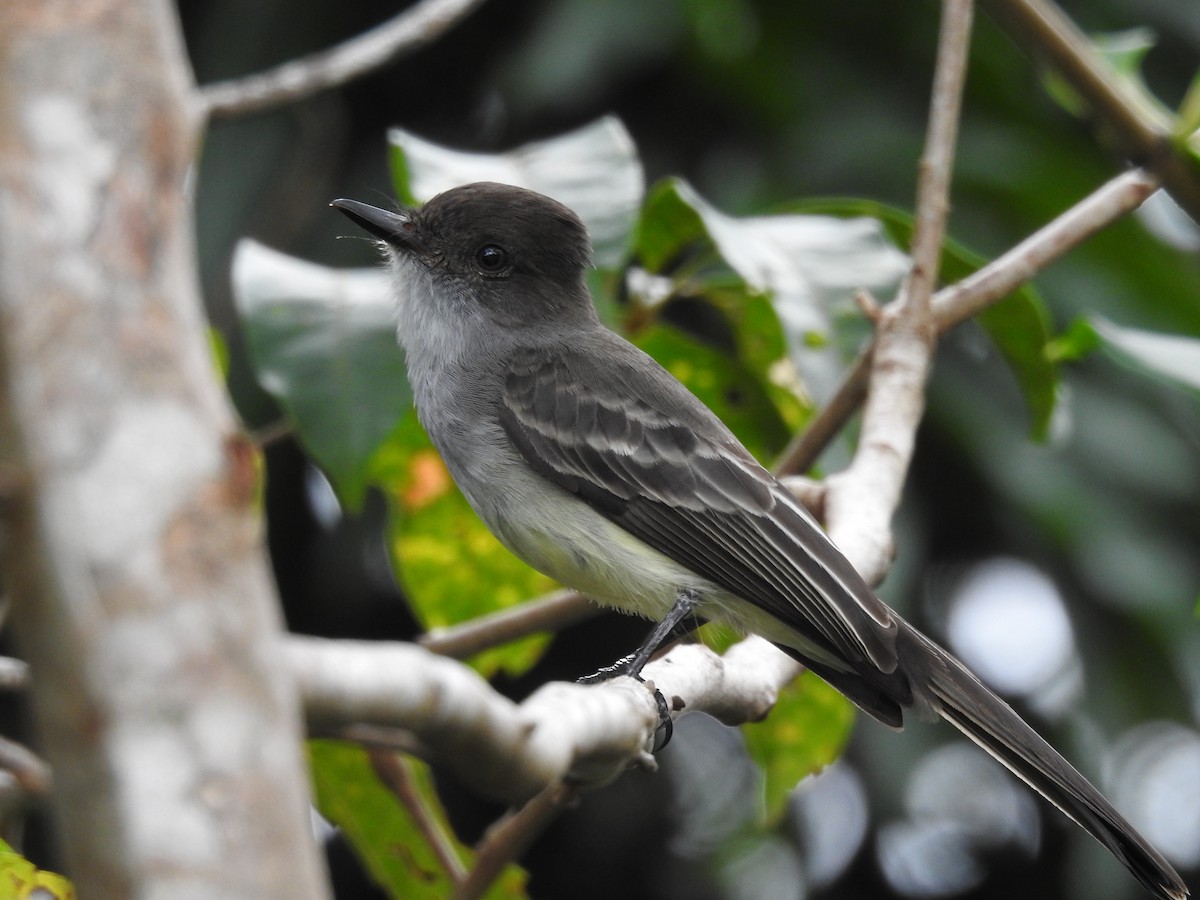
(758,103)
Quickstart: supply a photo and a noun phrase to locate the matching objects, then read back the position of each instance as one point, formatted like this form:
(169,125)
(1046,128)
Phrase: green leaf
(668,226)
(1123,52)
(1126,50)
(1020,328)
(763,348)
(594,170)
(1079,340)
(451,566)
(1019,325)
(1189,110)
(22,880)
(805,732)
(323,342)
(809,266)
(383,832)
(1174,357)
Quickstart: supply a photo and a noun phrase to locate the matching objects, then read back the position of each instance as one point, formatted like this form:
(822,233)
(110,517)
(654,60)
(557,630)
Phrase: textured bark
(130,541)
(562,732)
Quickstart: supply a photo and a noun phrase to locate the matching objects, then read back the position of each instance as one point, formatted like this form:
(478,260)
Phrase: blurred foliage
(1019,324)
(1125,51)
(806,731)
(324,345)
(22,880)
(1171,358)
(736,108)
(392,834)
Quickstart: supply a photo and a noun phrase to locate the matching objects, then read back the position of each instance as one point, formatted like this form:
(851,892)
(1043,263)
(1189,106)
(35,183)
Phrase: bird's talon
(607,673)
(666,725)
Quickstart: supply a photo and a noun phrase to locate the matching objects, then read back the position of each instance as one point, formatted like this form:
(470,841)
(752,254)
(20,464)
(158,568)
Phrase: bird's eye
(492,259)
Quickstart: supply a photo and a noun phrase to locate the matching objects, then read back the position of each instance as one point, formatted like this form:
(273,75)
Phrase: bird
(592,463)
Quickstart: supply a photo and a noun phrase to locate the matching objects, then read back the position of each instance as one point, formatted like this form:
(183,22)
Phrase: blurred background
(1067,573)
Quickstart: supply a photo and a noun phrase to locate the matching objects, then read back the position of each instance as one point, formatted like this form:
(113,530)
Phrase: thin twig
(995,281)
(985,287)
(861,500)
(396,774)
(1142,132)
(806,448)
(933,187)
(271,433)
(300,78)
(30,770)
(511,836)
(550,613)
(14,674)
(937,161)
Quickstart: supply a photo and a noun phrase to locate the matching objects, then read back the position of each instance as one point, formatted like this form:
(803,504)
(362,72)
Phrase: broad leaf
(593,170)
(394,849)
(1122,52)
(22,880)
(323,342)
(1019,325)
(810,266)
(805,732)
(1170,356)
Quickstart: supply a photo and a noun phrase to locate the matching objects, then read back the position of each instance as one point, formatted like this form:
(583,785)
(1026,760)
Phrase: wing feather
(648,456)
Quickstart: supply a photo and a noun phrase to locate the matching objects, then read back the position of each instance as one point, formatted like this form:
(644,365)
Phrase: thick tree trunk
(130,541)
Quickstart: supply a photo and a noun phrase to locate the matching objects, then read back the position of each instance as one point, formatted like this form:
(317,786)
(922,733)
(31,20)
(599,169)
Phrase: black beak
(397,229)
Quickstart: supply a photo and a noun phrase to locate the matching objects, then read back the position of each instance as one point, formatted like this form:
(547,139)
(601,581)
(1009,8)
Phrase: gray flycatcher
(596,466)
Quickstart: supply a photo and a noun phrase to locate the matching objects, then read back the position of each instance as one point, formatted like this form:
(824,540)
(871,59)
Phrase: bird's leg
(680,621)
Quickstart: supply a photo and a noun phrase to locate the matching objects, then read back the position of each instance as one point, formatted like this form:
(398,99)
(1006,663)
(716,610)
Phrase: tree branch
(1111,201)
(1142,132)
(30,771)
(508,839)
(294,80)
(937,161)
(860,501)
(985,287)
(395,772)
(131,534)
(553,612)
(585,734)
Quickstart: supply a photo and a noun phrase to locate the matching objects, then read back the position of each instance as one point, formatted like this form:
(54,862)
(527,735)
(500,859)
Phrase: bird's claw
(666,725)
(616,670)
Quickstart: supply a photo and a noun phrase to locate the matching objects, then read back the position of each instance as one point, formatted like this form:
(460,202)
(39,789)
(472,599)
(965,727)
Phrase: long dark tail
(992,724)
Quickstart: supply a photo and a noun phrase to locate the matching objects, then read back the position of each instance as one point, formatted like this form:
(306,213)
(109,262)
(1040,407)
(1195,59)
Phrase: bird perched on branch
(596,466)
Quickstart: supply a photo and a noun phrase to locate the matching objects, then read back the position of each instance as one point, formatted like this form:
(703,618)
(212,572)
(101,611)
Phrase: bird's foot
(621,667)
(666,725)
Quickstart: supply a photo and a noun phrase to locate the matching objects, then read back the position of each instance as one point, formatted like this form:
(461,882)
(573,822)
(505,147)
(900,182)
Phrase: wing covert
(647,455)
